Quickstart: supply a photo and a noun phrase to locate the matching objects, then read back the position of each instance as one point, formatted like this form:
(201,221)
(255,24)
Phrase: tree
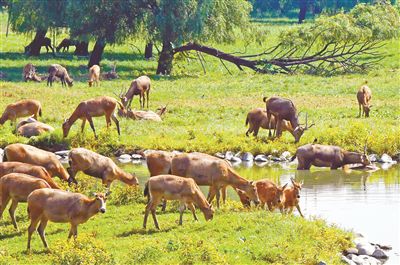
(36,16)
(174,22)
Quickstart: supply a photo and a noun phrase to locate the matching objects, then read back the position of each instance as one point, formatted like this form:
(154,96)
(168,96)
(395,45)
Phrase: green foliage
(124,195)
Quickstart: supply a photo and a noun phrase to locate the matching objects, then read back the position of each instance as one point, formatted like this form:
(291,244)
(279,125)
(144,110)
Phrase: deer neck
(200,201)
(126,177)
(351,158)
(63,173)
(294,122)
(93,207)
(236,181)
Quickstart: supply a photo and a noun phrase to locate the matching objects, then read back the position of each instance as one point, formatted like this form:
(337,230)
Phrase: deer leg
(212,193)
(146,213)
(269,124)
(83,125)
(114,118)
(182,208)
(91,125)
(147,96)
(12,209)
(191,207)
(4,201)
(42,226)
(164,205)
(31,229)
(108,120)
(255,133)
(359,110)
(298,209)
(223,191)
(140,101)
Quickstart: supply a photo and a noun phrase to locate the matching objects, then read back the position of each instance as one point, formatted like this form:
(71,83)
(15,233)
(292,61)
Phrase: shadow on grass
(12,234)
(142,231)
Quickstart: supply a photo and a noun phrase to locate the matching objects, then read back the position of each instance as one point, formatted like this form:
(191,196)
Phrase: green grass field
(206,113)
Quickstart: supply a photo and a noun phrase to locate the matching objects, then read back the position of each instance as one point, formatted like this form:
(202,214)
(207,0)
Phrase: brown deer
(110,74)
(140,86)
(29,73)
(46,42)
(284,109)
(211,171)
(98,166)
(327,156)
(143,115)
(291,197)
(96,107)
(31,127)
(94,75)
(268,192)
(65,43)
(364,95)
(23,108)
(61,207)
(258,117)
(35,156)
(169,187)
(35,171)
(16,187)
(56,70)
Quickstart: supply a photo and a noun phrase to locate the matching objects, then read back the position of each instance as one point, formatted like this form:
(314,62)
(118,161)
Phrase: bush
(123,195)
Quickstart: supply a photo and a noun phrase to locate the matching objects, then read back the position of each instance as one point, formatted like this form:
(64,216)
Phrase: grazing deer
(268,193)
(169,187)
(96,107)
(211,171)
(98,166)
(31,127)
(327,156)
(291,197)
(17,187)
(56,70)
(258,117)
(140,86)
(35,171)
(284,109)
(94,75)
(29,73)
(143,115)
(61,207)
(23,108)
(364,95)
(35,156)
(46,42)
(65,43)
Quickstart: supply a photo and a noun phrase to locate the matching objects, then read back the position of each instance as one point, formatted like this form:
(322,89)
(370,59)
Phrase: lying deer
(35,171)
(96,107)
(211,171)
(291,197)
(110,74)
(29,73)
(140,86)
(169,187)
(258,117)
(143,115)
(94,75)
(16,187)
(35,156)
(56,70)
(22,108)
(327,156)
(284,109)
(31,127)
(98,166)
(62,207)
(364,95)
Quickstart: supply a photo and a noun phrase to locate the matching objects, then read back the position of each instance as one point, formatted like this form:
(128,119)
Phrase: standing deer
(364,95)
(169,187)
(284,109)
(56,70)
(100,106)
(46,42)
(140,86)
(258,117)
(65,43)
(94,75)
(21,108)
(291,197)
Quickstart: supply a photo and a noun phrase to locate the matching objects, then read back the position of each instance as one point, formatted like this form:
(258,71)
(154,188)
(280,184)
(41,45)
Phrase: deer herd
(27,172)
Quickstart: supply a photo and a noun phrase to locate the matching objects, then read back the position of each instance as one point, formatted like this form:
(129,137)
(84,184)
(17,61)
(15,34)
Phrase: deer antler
(308,127)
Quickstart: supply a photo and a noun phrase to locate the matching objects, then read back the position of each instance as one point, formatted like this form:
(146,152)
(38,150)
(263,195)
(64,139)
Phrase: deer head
(299,130)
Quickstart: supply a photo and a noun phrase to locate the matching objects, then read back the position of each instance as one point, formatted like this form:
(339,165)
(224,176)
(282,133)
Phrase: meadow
(206,113)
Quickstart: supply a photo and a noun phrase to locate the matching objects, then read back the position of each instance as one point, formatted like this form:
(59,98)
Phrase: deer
(94,75)
(258,117)
(35,156)
(143,115)
(96,107)
(56,70)
(110,74)
(22,108)
(16,187)
(65,43)
(328,156)
(31,127)
(98,166)
(28,169)
(170,187)
(268,192)
(284,109)
(291,197)
(46,42)
(29,73)
(140,86)
(364,95)
(211,171)
(61,207)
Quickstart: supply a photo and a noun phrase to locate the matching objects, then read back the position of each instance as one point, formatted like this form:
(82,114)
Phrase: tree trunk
(82,48)
(303,10)
(148,51)
(33,48)
(97,52)
(166,58)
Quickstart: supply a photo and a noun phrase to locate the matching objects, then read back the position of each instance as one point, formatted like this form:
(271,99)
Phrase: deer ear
(284,186)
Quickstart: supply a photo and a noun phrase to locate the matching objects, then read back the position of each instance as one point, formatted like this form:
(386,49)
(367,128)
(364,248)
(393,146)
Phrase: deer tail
(293,157)
(40,111)
(146,190)
(5,156)
(247,121)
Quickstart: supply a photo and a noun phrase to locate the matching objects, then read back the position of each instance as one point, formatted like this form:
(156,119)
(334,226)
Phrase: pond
(366,202)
